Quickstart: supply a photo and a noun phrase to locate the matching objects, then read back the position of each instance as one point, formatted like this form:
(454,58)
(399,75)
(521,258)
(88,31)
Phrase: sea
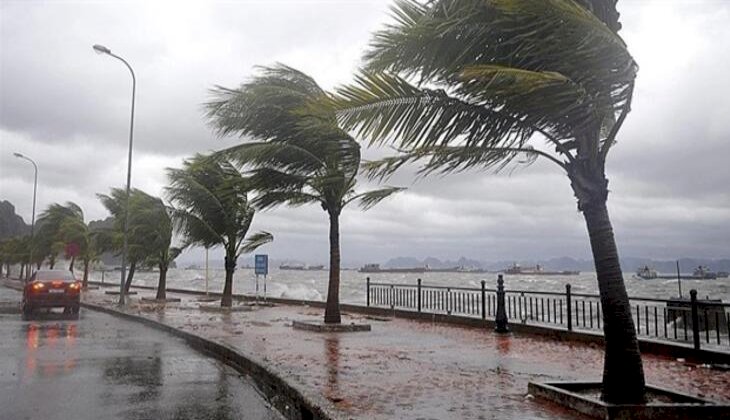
(312,285)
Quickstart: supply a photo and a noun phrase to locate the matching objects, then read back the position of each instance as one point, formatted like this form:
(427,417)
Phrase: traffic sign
(261,264)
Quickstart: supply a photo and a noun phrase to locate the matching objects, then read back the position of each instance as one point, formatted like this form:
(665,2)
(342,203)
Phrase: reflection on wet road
(100,367)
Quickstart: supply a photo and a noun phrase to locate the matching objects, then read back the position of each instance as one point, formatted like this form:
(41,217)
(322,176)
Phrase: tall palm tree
(211,208)
(477,83)
(299,155)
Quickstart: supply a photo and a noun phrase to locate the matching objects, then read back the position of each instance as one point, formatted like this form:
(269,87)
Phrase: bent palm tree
(211,208)
(498,79)
(299,154)
(140,230)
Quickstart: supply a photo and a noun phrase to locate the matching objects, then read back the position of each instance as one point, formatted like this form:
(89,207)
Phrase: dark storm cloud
(68,108)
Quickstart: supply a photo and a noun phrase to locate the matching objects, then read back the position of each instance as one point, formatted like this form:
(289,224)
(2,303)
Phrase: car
(51,289)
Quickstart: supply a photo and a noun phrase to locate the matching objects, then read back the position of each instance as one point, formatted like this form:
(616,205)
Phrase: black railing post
(501,318)
(484,298)
(419,295)
(570,307)
(368,290)
(695,319)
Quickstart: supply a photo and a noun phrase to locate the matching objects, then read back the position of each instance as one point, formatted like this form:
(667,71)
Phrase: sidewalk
(411,369)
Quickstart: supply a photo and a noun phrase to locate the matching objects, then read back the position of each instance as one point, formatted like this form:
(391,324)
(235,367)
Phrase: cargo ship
(538,270)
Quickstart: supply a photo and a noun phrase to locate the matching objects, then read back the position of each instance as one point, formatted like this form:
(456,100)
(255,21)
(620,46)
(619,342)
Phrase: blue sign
(261,264)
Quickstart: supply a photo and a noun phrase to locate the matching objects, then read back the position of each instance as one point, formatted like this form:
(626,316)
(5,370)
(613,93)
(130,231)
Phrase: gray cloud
(69,109)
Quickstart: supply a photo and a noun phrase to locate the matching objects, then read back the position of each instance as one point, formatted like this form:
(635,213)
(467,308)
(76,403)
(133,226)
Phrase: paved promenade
(412,369)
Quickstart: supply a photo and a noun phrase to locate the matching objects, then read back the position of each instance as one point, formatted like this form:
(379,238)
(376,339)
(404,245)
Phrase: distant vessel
(704,273)
(646,273)
(301,267)
(538,270)
(375,268)
(699,273)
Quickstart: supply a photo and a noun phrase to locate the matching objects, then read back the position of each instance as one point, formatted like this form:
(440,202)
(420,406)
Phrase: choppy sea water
(312,285)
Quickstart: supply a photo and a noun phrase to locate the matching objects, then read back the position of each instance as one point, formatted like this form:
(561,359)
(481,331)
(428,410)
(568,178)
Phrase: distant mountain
(11,224)
(628,264)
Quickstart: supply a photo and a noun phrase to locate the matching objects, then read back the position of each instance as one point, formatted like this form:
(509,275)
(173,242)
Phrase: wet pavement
(101,367)
(411,369)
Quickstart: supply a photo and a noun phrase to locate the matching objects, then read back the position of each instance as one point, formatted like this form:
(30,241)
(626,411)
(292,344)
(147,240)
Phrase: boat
(538,270)
(703,273)
(646,273)
(298,267)
(375,268)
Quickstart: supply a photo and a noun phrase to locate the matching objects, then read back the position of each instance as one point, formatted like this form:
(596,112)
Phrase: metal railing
(684,320)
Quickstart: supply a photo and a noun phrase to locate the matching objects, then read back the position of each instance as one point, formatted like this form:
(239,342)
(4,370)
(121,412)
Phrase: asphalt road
(101,367)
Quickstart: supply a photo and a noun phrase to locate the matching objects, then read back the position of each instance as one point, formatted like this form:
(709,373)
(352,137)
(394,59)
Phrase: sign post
(261,267)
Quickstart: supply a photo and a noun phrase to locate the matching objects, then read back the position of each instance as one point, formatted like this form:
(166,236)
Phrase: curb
(289,401)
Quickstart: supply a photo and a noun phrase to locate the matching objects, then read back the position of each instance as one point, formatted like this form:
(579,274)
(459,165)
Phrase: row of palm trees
(210,208)
(451,85)
(455,85)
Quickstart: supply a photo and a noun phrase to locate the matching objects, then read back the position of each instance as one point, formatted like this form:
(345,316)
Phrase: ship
(538,270)
(703,273)
(375,268)
(646,273)
(699,273)
(301,267)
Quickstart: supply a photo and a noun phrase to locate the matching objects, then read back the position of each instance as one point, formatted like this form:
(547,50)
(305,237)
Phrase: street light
(32,223)
(100,49)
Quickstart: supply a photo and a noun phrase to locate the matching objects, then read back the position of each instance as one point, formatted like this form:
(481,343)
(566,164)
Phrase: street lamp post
(35,189)
(100,49)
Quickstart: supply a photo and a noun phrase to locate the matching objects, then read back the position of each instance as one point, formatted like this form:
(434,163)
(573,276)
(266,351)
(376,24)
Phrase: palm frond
(370,199)
(380,107)
(255,241)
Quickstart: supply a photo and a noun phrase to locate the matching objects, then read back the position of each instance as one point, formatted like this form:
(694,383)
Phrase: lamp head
(18,155)
(100,49)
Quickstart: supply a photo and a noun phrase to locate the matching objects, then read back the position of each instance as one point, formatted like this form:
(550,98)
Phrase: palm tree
(211,208)
(140,230)
(477,83)
(299,154)
(154,215)
(51,241)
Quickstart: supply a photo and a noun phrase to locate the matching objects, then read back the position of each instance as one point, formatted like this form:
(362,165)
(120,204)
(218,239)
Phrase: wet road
(100,367)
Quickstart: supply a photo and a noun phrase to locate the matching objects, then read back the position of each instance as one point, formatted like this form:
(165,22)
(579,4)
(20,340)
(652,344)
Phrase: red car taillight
(75,286)
(37,286)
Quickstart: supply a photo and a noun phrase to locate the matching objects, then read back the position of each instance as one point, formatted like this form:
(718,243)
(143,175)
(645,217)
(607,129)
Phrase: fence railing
(692,320)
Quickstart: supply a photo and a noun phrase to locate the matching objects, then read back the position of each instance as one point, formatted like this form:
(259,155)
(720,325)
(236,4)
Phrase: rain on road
(103,367)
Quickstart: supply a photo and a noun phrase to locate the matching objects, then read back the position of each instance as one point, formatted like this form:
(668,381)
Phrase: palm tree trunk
(51,262)
(332,309)
(130,276)
(85,281)
(71,265)
(162,283)
(227,298)
(623,373)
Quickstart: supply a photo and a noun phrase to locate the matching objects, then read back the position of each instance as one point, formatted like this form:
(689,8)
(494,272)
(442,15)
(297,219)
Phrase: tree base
(319,326)
(584,397)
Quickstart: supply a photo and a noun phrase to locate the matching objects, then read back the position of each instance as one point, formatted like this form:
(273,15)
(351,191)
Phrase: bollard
(484,298)
(570,307)
(419,295)
(501,318)
(695,319)
(367,292)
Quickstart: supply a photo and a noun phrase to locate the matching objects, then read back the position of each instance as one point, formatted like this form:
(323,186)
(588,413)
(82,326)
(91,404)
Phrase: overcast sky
(68,108)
